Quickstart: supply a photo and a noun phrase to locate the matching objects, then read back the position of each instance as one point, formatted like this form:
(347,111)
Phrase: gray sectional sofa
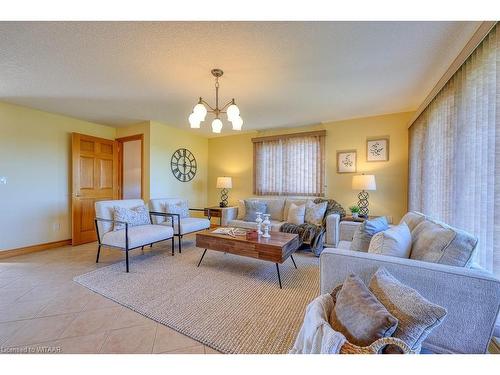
(440,268)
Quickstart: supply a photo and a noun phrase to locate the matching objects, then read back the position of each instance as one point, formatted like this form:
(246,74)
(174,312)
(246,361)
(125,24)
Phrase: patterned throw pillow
(133,216)
(180,208)
(252,207)
(315,212)
(365,232)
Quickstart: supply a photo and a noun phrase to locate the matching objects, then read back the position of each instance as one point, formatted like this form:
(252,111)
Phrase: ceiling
(282,74)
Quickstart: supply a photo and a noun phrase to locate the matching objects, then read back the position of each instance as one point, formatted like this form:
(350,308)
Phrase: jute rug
(230,303)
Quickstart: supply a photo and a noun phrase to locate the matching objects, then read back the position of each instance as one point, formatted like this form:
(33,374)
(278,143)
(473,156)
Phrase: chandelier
(230,109)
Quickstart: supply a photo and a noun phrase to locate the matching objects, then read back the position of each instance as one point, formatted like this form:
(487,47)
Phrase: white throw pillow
(180,208)
(296,214)
(241,209)
(315,212)
(395,241)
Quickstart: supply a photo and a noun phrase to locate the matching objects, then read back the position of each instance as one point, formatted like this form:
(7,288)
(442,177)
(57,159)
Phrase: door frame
(121,141)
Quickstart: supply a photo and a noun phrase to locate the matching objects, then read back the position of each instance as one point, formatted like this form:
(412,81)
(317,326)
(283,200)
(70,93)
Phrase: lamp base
(223,198)
(363,204)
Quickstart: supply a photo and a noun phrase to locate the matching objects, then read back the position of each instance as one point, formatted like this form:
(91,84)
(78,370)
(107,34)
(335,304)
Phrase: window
(292,164)
(455,152)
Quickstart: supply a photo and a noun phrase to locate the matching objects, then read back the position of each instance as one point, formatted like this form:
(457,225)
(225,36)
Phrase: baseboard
(33,248)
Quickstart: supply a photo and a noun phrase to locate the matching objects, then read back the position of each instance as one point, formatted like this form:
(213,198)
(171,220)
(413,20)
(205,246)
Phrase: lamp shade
(224,183)
(364,182)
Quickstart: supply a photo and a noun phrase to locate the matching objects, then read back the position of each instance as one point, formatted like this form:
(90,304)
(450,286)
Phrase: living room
(263,187)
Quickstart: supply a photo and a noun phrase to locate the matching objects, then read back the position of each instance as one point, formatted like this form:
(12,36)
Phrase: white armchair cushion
(138,236)
(189,225)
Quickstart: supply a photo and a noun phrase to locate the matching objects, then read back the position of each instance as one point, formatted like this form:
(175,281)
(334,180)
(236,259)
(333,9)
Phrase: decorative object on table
(232,232)
(363,182)
(252,235)
(346,161)
(354,211)
(377,149)
(230,109)
(312,234)
(183,165)
(259,221)
(224,183)
(267,225)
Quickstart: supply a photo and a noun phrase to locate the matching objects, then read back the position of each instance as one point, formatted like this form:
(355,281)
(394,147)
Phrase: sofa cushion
(133,216)
(138,236)
(365,232)
(252,207)
(416,315)
(395,241)
(289,201)
(275,207)
(296,214)
(189,224)
(275,225)
(241,209)
(358,314)
(437,242)
(346,245)
(412,219)
(315,212)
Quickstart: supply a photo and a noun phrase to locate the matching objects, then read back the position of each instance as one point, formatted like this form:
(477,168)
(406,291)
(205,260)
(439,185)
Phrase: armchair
(129,238)
(181,225)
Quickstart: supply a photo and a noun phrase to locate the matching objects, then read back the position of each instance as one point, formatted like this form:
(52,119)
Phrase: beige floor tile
(138,339)
(40,330)
(89,322)
(63,304)
(21,310)
(168,340)
(130,318)
(88,344)
(96,301)
(9,295)
(8,329)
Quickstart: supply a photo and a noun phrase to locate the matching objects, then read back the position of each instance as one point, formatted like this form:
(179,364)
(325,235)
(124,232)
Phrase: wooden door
(94,177)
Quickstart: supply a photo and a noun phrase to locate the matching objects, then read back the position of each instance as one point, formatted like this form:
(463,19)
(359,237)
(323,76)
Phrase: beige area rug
(230,303)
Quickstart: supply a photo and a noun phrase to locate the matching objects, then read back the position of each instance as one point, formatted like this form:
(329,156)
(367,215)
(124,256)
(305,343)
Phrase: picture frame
(377,149)
(347,161)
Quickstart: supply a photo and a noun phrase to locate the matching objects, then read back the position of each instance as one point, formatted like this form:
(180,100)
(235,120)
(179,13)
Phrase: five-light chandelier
(230,109)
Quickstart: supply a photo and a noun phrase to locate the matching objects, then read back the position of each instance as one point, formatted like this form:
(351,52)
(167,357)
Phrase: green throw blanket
(312,234)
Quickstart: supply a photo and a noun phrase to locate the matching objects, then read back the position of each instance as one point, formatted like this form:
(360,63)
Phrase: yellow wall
(35,156)
(164,141)
(233,156)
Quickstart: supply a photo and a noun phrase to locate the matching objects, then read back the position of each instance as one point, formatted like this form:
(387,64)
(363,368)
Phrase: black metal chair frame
(179,235)
(126,248)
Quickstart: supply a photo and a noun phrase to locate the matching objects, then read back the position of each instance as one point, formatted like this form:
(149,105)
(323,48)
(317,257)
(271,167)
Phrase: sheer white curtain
(455,152)
(289,165)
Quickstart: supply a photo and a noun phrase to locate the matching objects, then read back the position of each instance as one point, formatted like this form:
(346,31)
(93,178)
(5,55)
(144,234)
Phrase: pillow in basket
(416,315)
(133,216)
(359,315)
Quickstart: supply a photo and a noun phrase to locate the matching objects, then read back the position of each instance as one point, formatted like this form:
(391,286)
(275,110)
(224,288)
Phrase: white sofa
(131,237)
(182,226)
(278,208)
(471,295)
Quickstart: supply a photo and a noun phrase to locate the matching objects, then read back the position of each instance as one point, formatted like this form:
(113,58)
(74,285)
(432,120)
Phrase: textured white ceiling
(280,73)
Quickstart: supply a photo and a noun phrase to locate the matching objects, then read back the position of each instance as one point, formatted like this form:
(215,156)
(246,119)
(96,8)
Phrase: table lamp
(224,183)
(363,182)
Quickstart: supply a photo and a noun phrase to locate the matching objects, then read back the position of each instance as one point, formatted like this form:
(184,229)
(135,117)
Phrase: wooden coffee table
(275,249)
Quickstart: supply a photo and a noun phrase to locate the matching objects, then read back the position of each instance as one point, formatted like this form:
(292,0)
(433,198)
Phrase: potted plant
(354,211)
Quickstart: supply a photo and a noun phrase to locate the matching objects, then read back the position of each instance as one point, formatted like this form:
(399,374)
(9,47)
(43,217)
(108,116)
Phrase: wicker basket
(376,347)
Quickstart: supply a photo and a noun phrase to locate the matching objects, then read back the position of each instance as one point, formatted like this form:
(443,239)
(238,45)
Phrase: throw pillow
(241,209)
(252,207)
(417,316)
(133,216)
(315,212)
(296,214)
(180,208)
(365,231)
(359,316)
(395,241)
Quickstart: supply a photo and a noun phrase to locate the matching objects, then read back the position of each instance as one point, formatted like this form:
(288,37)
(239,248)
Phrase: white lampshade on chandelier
(230,109)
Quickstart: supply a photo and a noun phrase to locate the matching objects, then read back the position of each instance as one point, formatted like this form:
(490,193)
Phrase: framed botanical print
(377,149)
(346,161)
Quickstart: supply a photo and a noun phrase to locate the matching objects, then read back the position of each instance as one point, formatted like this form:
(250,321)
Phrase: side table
(223,213)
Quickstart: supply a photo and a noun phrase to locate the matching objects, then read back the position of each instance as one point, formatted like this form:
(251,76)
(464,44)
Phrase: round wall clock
(183,164)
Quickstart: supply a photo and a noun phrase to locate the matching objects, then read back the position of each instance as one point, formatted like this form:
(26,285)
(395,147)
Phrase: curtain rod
(317,133)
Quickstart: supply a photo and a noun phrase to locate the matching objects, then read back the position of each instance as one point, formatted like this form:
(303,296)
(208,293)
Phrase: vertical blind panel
(290,166)
(455,152)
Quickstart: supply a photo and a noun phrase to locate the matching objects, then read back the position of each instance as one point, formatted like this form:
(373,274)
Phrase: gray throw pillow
(133,216)
(359,316)
(252,207)
(417,316)
(365,231)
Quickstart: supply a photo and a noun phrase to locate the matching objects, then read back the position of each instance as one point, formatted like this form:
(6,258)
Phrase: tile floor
(43,310)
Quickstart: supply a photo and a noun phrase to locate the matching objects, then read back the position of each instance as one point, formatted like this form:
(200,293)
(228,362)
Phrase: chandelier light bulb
(200,111)
(232,112)
(237,123)
(216,125)
(194,121)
